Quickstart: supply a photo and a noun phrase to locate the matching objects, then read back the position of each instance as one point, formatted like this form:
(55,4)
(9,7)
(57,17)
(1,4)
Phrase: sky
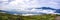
(28,5)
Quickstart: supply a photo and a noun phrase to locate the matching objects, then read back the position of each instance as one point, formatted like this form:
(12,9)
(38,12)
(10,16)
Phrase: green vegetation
(6,16)
(40,17)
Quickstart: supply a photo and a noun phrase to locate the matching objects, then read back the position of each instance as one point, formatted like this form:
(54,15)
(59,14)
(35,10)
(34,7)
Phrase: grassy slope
(6,16)
(40,17)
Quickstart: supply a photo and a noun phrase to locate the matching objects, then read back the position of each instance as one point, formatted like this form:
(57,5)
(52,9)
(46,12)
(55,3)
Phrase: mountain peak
(57,10)
(46,8)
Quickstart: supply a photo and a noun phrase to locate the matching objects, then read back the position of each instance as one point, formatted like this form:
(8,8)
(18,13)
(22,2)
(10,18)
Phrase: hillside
(6,16)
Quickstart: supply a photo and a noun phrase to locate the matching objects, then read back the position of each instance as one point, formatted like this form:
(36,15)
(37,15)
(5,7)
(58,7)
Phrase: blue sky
(26,5)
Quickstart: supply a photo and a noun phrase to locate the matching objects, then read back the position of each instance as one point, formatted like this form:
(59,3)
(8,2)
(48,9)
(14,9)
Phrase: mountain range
(48,8)
(22,12)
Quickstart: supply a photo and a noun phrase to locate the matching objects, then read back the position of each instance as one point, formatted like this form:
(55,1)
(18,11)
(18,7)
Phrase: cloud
(43,11)
(30,5)
(38,12)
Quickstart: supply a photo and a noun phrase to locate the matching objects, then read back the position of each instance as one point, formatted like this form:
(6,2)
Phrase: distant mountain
(57,10)
(21,12)
(2,11)
(7,12)
(48,8)
(45,8)
(28,12)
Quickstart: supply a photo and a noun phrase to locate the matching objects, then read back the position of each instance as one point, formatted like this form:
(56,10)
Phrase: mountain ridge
(44,8)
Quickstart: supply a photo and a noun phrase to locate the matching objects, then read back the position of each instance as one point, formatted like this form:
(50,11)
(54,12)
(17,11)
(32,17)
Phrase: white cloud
(3,0)
(17,4)
(27,14)
(43,11)
(24,5)
(36,11)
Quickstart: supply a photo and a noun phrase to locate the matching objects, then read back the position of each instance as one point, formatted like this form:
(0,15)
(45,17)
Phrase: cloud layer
(29,5)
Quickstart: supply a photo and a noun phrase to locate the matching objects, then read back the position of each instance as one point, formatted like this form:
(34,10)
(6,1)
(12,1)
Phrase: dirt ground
(57,18)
